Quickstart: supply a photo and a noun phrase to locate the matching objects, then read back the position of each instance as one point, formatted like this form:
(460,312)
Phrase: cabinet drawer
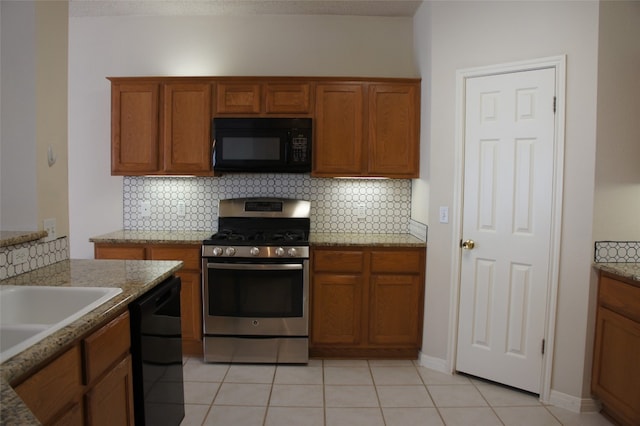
(54,388)
(106,346)
(111,251)
(620,297)
(396,261)
(188,254)
(338,261)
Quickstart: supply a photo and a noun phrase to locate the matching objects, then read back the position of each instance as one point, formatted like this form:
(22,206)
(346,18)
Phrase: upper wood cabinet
(160,127)
(367,129)
(338,143)
(246,97)
(393,135)
(187,128)
(363,127)
(135,118)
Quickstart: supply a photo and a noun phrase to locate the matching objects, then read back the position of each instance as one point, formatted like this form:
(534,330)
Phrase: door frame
(558,63)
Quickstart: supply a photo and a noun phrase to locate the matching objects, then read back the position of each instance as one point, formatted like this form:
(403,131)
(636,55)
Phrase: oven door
(249,298)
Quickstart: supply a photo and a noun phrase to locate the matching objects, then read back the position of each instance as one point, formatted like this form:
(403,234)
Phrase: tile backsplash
(617,251)
(41,254)
(337,205)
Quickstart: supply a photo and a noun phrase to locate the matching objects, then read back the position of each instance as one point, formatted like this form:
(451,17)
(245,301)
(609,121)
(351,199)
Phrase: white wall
(617,198)
(459,35)
(205,45)
(18,110)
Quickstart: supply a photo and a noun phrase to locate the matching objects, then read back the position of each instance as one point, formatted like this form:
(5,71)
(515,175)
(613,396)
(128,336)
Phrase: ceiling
(398,8)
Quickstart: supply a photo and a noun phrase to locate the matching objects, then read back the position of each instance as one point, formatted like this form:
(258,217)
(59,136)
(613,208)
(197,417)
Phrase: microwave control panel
(299,149)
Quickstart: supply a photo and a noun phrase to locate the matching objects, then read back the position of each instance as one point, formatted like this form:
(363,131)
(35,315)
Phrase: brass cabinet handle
(468,244)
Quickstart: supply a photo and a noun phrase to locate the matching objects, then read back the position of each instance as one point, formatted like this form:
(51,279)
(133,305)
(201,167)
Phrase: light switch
(444,214)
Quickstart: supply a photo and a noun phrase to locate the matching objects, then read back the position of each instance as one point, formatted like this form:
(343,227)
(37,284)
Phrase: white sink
(28,314)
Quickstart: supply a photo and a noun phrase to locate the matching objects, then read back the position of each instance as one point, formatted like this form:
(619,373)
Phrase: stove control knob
(217,251)
(279,252)
(254,251)
(292,252)
(230,251)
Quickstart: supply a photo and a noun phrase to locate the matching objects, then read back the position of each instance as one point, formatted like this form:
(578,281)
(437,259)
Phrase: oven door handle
(256,267)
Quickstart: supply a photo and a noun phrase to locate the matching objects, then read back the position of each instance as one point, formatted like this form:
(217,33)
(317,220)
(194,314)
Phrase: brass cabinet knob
(468,244)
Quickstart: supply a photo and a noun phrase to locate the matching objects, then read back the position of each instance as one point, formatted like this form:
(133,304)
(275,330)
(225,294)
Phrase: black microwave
(265,145)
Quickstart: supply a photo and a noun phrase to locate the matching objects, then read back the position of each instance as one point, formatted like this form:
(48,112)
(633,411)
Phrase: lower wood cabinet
(190,274)
(367,302)
(88,384)
(616,360)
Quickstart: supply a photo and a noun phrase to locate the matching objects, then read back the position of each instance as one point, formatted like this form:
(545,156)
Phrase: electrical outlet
(181,208)
(444,214)
(50,227)
(20,256)
(361,211)
(145,209)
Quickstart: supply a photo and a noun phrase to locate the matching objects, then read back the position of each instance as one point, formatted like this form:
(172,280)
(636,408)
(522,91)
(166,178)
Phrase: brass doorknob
(468,244)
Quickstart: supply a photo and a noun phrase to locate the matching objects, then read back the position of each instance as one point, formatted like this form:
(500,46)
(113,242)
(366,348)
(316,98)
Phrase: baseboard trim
(437,364)
(572,403)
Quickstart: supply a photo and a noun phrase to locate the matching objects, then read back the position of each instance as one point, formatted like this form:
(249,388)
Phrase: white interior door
(507,214)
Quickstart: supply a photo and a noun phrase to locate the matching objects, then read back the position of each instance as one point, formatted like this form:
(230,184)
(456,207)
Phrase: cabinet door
(393,114)
(395,310)
(187,128)
(288,98)
(237,98)
(616,372)
(337,148)
(134,128)
(55,389)
(112,251)
(336,309)
(110,401)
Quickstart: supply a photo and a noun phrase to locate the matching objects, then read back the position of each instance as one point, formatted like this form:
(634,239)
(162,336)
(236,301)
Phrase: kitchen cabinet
(90,383)
(367,302)
(240,97)
(616,371)
(367,129)
(190,274)
(160,126)
(338,143)
(135,142)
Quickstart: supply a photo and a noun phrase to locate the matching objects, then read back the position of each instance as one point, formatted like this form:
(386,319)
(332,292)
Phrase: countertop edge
(316,239)
(628,270)
(10,238)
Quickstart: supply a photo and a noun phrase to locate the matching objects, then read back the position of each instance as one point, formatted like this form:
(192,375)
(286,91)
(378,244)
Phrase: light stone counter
(381,240)
(630,270)
(10,238)
(135,277)
(152,237)
(315,238)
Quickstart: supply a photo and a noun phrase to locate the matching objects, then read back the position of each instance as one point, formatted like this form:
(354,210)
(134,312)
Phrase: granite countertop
(630,270)
(10,238)
(135,277)
(315,239)
(382,240)
(152,237)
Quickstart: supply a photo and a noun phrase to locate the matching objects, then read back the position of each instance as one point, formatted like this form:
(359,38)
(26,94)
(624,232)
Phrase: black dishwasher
(156,352)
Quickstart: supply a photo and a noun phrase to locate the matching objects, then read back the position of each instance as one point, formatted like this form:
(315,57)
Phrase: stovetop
(259,237)
(260,227)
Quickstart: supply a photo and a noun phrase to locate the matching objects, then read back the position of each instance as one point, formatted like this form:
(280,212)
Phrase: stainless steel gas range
(256,282)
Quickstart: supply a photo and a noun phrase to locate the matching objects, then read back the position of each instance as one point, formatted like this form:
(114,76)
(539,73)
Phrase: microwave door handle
(255,267)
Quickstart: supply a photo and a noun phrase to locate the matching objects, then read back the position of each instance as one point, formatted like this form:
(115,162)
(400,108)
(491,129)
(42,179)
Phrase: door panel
(509,157)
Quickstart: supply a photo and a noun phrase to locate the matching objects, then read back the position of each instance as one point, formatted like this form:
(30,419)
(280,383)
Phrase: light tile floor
(358,392)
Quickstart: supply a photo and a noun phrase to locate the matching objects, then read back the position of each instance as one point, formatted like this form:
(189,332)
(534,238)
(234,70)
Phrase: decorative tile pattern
(338,205)
(40,254)
(617,251)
